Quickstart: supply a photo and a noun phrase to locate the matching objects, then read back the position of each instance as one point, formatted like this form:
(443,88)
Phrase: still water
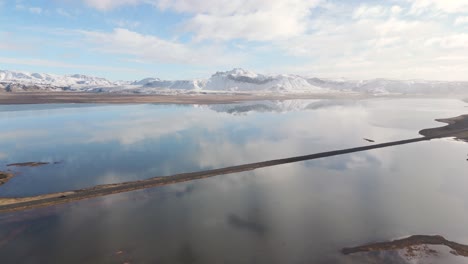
(296,213)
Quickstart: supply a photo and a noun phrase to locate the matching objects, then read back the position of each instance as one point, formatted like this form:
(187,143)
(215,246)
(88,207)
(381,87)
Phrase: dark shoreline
(416,240)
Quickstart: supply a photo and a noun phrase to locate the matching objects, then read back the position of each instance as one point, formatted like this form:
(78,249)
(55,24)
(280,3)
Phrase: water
(296,213)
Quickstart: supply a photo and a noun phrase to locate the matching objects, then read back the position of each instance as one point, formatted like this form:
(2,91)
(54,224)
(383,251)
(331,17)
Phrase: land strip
(114,98)
(27,164)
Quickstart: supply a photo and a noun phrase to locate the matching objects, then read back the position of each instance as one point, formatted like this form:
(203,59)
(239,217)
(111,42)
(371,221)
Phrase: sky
(184,39)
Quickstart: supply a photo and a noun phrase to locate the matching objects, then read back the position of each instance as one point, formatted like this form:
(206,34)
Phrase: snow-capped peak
(146,81)
(238,72)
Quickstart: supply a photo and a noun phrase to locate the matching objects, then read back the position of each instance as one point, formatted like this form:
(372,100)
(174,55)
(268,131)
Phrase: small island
(27,164)
(5,177)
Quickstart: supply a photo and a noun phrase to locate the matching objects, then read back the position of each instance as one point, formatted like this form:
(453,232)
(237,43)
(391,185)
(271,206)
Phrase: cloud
(122,23)
(31,9)
(232,19)
(35,10)
(60,64)
(380,46)
(258,20)
(62,12)
(10,43)
(365,11)
(444,6)
(396,10)
(151,49)
(453,41)
(105,5)
(461,20)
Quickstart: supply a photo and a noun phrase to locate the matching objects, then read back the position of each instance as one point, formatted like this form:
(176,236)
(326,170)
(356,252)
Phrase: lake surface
(296,213)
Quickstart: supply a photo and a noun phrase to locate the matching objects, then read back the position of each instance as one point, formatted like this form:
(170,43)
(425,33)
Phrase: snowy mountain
(180,85)
(247,81)
(233,81)
(54,80)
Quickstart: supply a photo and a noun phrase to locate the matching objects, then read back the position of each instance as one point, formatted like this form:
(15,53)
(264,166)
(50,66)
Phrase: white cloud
(365,11)
(60,64)
(445,6)
(10,43)
(35,10)
(461,20)
(396,10)
(252,20)
(31,9)
(122,23)
(453,41)
(62,12)
(231,19)
(105,5)
(381,47)
(148,48)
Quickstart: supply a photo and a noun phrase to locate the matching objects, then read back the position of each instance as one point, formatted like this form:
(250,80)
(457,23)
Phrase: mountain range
(233,81)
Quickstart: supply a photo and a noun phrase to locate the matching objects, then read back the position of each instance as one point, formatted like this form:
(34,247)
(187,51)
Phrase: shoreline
(116,98)
(8,98)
